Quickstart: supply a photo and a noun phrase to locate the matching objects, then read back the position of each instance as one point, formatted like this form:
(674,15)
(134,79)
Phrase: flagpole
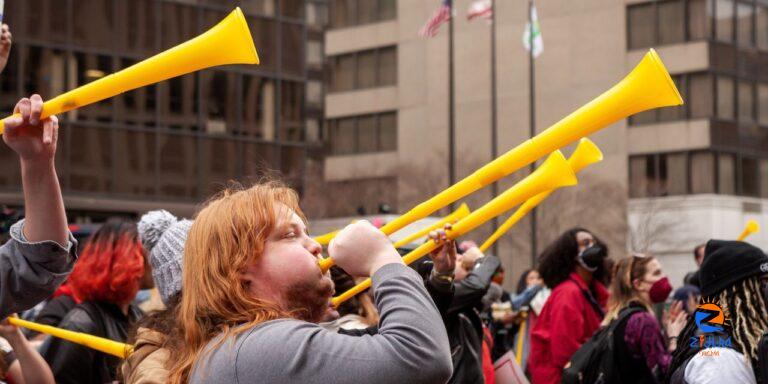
(494,132)
(451,112)
(532,103)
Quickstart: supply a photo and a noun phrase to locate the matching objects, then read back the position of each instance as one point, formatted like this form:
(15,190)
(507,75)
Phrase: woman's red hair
(111,265)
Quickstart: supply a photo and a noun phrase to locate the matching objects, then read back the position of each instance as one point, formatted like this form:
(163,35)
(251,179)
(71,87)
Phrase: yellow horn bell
(457,215)
(554,173)
(752,227)
(100,344)
(229,42)
(648,86)
(586,153)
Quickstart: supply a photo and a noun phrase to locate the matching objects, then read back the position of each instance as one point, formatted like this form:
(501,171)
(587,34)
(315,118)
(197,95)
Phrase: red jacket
(564,324)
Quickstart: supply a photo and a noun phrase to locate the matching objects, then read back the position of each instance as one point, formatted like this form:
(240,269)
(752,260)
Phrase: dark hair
(696,251)
(521,284)
(558,260)
(745,305)
(159,321)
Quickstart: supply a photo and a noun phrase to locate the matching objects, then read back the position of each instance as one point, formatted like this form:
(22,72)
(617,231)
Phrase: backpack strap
(590,299)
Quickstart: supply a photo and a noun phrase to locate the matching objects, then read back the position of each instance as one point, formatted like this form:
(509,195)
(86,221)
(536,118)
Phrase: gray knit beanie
(163,236)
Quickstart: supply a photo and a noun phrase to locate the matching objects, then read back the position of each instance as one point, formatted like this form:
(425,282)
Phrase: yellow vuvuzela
(229,42)
(462,211)
(554,173)
(586,153)
(457,215)
(325,239)
(100,344)
(752,227)
(648,86)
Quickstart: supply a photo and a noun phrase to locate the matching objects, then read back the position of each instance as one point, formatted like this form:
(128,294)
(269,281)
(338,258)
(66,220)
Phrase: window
(671,24)
(762,103)
(699,25)
(347,13)
(744,15)
(702,172)
(364,69)
(638,177)
(676,182)
(763,178)
(363,134)
(746,102)
(387,66)
(642,25)
(726,174)
(748,177)
(725,98)
(664,22)
(697,91)
(724,20)
(667,174)
(761,27)
(676,112)
(700,95)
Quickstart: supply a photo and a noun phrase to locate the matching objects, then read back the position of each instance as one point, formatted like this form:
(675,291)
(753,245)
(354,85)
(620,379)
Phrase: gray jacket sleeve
(411,346)
(31,272)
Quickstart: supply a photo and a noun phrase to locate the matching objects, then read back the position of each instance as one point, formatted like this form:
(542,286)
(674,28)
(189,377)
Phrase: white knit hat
(163,236)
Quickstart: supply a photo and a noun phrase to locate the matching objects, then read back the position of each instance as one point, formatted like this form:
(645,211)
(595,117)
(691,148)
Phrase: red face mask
(660,291)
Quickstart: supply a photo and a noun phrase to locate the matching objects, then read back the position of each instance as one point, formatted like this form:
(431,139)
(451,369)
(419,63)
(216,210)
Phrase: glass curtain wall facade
(732,95)
(180,140)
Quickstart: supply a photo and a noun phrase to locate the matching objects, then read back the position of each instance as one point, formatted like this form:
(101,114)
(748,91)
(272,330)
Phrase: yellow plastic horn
(325,239)
(752,227)
(229,42)
(554,173)
(455,216)
(648,86)
(586,153)
(100,344)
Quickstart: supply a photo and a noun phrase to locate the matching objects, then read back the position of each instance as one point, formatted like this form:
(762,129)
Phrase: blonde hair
(622,289)
(228,233)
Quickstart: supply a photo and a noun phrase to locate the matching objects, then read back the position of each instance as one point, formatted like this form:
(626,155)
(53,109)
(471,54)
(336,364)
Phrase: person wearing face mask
(733,275)
(640,350)
(572,268)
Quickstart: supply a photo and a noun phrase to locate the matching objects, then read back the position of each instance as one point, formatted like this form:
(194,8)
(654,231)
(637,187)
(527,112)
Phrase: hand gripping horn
(586,153)
(229,42)
(554,173)
(648,86)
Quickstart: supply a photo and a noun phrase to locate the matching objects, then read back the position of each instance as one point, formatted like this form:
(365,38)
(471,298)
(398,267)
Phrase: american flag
(440,16)
(480,8)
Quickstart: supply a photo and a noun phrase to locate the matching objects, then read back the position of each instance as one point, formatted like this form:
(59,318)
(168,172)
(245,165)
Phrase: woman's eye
(290,235)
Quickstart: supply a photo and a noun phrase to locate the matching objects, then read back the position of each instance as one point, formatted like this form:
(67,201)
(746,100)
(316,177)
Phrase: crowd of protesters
(241,298)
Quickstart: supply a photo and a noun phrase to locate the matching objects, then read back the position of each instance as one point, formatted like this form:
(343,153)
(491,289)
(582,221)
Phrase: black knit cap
(729,262)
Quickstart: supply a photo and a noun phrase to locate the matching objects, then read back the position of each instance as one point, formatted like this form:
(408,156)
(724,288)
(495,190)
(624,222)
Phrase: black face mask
(592,258)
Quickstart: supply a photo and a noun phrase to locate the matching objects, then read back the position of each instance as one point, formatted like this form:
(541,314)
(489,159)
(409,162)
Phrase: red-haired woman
(106,277)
